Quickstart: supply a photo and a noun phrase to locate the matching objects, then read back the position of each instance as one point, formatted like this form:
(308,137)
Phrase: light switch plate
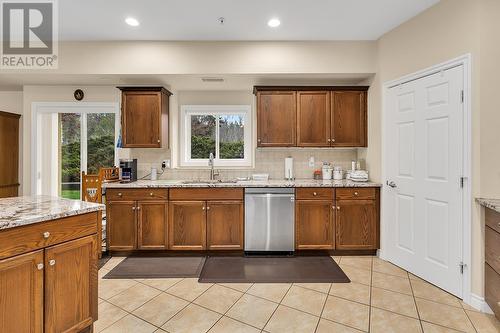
(165,164)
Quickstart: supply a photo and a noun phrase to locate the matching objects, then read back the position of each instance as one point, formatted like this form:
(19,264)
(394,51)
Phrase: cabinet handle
(329,140)
(46,234)
(133,208)
(258,140)
(151,193)
(333,140)
(338,207)
(39,266)
(158,141)
(138,208)
(52,262)
(498,224)
(203,208)
(333,207)
(120,194)
(315,194)
(208,207)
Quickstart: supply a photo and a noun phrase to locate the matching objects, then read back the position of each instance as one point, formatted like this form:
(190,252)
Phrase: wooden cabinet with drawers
(137,219)
(311,116)
(492,260)
(49,278)
(145,117)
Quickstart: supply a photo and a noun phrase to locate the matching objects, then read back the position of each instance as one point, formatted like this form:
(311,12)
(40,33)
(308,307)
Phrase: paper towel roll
(289,168)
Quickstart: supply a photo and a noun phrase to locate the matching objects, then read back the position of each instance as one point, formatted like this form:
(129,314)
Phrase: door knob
(391,184)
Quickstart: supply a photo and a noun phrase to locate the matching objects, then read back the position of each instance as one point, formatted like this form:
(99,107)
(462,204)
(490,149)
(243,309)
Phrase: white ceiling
(244,19)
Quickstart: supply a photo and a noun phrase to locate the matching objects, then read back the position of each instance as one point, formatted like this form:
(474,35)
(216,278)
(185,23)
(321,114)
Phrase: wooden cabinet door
(71,285)
(276,118)
(152,225)
(141,119)
(349,125)
(356,224)
(313,119)
(314,224)
(121,225)
(225,225)
(187,225)
(21,293)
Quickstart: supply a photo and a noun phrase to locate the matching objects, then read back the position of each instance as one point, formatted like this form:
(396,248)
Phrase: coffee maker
(128,170)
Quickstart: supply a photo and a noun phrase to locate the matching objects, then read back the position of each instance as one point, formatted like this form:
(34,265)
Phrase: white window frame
(216,110)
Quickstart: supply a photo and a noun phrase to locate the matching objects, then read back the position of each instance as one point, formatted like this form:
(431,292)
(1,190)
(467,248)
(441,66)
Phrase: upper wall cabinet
(145,117)
(322,116)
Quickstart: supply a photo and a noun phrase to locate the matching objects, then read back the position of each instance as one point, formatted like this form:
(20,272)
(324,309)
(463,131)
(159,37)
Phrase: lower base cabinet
(187,226)
(121,225)
(225,225)
(314,224)
(152,225)
(356,225)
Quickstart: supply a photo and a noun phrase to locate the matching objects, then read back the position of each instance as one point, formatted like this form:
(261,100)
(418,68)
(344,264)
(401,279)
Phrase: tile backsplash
(267,160)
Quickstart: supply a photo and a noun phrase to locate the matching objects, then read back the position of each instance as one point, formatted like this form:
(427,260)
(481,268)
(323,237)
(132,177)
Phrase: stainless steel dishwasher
(269,220)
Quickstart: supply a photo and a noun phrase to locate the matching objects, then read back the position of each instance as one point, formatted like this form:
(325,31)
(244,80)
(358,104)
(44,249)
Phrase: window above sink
(224,130)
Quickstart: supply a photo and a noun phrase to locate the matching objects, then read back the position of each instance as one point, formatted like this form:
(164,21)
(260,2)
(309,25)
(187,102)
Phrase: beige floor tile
(111,263)
(391,282)
(428,291)
(444,315)
(358,262)
(386,267)
(162,284)
(289,320)
(306,300)
(134,297)
(108,314)
(382,321)
(483,322)
(321,287)
(433,328)
(228,325)
(111,287)
(218,298)
(414,277)
(357,274)
(189,289)
(161,309)
(243,287)
(130,324)
(395,302)
(192,319)
(271,291)
(352,291)
(102,272)
(346,312)
(99,300)
(252,310)
(327,326)
(336,258)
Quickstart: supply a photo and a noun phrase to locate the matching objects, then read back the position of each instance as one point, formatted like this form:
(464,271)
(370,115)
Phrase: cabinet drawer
(492,289)
(356,193)
(314,193)
(492,248)
(36,236)
(492,219)
(136,194)
(206,194)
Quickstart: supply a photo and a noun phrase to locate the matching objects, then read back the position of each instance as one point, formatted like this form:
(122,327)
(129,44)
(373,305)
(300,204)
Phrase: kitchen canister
(338,174)
(326,170)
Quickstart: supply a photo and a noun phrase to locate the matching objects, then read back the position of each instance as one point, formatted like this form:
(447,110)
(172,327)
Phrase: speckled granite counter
(19,211)
(247,183)
(490,203)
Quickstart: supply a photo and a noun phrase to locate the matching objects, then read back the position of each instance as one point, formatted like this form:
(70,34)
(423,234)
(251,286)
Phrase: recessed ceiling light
(274,22)
(132,21)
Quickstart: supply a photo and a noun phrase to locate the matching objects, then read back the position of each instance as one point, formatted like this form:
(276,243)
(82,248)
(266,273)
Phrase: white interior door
(423,208)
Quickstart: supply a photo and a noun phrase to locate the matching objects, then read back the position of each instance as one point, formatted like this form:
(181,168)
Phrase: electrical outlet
(165,164)
(311,162)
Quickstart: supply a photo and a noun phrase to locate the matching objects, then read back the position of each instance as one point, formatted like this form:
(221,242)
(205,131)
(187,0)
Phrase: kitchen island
(48,264)
(198,215)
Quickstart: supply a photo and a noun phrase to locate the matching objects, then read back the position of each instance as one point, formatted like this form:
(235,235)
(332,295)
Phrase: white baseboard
(478,302)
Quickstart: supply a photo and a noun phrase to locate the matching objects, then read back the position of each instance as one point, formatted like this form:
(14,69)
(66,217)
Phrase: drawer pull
(138,208)
(151,193)
(356,193)
(315,194)
(39,266)
(52,262)
(46,234)
(120,194)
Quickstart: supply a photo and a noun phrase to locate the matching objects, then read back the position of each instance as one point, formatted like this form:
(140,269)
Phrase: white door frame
(465,61)
(38,108)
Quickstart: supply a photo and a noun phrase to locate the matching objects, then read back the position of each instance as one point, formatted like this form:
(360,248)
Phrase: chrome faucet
(213,173)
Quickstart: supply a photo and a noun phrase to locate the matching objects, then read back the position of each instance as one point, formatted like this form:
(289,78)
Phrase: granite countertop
(19,211)
(164,183)
(490,203)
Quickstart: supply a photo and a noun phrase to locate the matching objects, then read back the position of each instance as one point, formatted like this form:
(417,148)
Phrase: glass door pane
(69,138)
(100,141)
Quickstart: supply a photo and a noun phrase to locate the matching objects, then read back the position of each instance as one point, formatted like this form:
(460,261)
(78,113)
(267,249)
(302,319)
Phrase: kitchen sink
(217,181)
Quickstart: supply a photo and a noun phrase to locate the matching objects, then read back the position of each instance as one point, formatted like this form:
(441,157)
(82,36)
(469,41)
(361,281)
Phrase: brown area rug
(157,267)
(322,269)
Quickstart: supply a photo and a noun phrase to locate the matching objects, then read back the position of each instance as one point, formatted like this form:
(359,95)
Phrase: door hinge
(462,180)
(462,266)
(462,96)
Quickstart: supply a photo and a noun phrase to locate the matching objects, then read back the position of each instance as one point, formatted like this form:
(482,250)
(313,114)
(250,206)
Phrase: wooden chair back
(91,188)
(111,174)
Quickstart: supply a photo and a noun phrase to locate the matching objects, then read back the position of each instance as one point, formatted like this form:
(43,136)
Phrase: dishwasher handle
(273,195)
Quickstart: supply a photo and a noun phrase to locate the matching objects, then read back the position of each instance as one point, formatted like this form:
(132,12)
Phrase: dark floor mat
(321,269)
(157,267)
(103,260)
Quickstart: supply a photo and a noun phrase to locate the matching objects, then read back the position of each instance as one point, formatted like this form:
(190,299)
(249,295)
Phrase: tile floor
(381,298)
